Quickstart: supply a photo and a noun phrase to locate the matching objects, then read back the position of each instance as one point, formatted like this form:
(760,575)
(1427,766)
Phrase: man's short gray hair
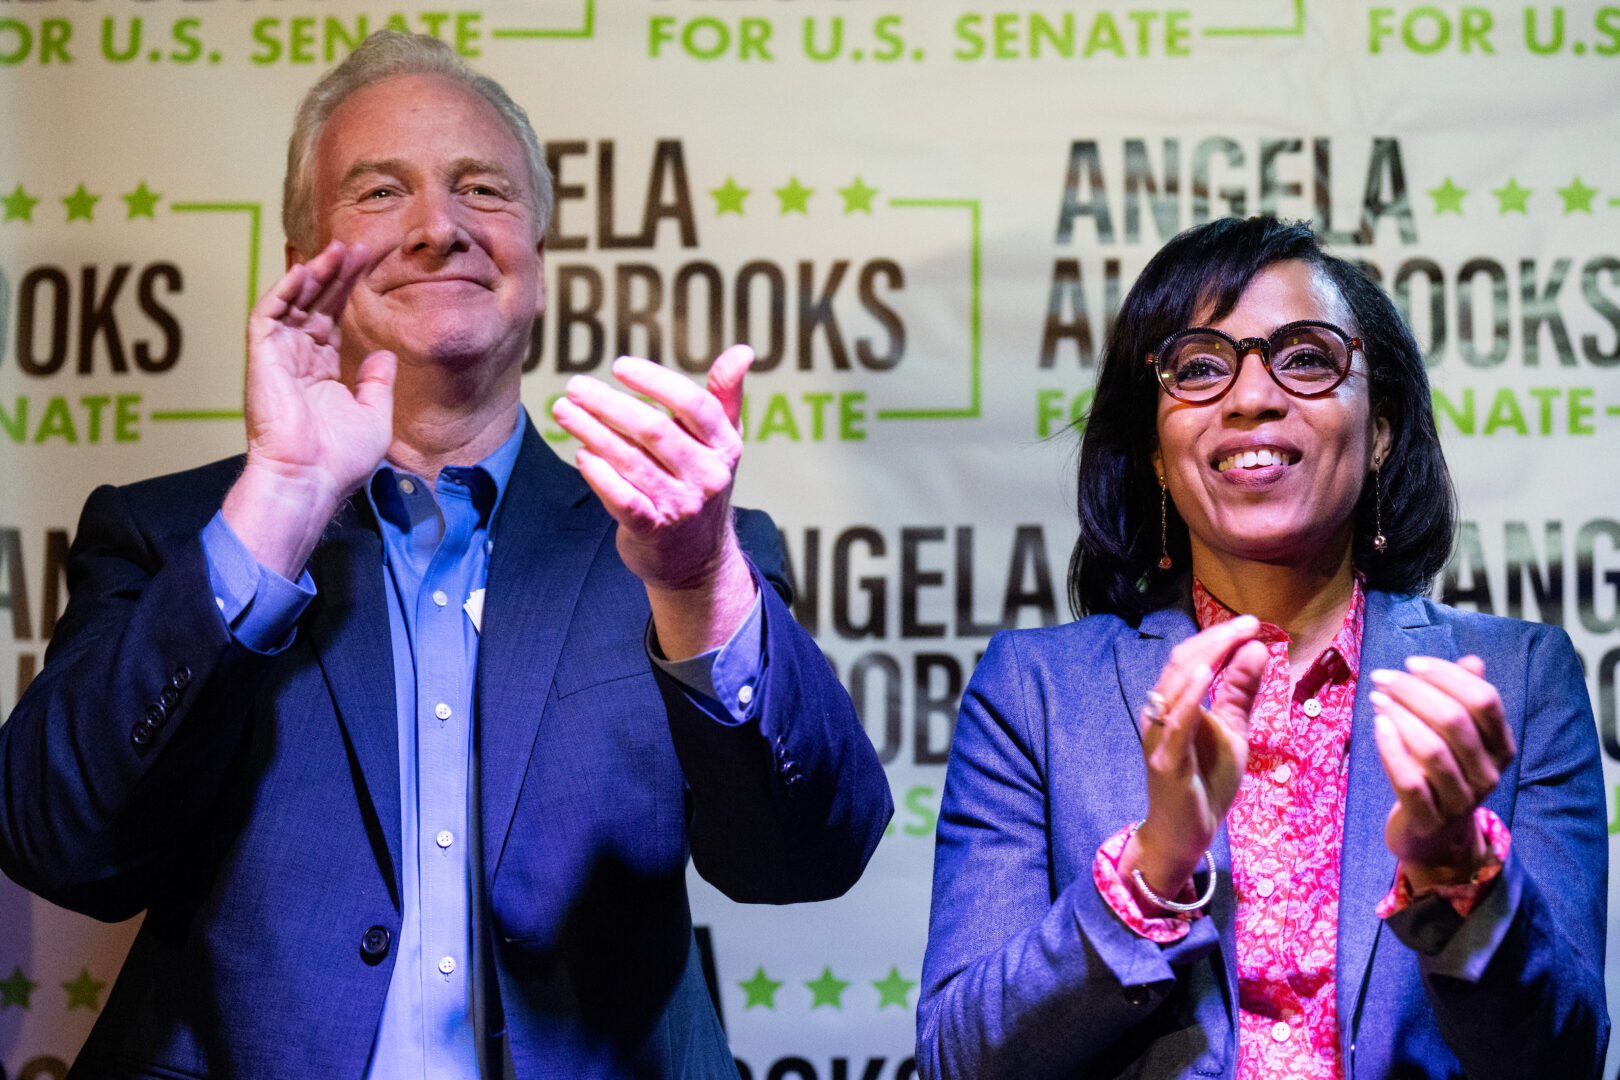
(384,55)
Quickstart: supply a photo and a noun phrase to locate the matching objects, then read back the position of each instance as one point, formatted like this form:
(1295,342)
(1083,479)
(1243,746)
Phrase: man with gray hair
(399,730)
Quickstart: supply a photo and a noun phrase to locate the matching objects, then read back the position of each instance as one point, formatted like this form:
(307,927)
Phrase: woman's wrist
(1166,875)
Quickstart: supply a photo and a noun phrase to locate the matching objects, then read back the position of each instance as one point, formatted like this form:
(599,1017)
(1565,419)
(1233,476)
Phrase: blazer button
(169,698)
(181,677)
(1137,995)
(141,735)
(156,716)
(374,944)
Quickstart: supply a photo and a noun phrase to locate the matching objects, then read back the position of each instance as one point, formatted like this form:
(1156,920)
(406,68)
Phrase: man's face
(428,177)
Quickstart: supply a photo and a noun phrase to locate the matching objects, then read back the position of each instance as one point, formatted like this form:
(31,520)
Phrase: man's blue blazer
(257,822)
(1029,974)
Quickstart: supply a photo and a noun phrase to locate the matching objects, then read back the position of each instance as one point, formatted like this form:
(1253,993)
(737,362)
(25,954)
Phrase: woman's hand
(1444,742)
(1195,756)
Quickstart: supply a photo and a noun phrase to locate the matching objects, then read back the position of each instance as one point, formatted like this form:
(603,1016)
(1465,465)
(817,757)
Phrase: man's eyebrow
(362,169)
(470,165)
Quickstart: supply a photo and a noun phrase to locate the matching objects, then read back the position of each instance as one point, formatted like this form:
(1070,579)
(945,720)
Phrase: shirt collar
(486,480)
(1346,644)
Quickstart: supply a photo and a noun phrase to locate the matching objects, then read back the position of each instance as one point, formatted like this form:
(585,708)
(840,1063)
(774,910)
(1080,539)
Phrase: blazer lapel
(349,632)
(1396,627)
(546,536)
(1139,661)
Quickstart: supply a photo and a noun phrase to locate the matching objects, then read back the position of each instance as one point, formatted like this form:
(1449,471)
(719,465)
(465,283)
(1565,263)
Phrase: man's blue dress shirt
(436,548)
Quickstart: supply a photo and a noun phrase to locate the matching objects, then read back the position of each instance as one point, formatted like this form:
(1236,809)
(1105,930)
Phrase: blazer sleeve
(1024,978)
(788,804)
(1517,987)
(118,746)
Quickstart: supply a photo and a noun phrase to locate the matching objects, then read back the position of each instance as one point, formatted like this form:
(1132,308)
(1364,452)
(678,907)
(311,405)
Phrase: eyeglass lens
(1304,359)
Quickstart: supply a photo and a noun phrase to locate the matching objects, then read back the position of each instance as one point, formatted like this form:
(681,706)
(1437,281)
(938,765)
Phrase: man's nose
(434,224)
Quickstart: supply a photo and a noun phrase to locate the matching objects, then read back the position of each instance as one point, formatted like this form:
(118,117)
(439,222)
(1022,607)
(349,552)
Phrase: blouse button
(1281,773)
(1313,708)
(1280,1031)
(1265,887)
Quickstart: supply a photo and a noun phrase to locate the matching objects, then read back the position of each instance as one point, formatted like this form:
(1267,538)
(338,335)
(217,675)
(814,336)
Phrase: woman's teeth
(1254,459)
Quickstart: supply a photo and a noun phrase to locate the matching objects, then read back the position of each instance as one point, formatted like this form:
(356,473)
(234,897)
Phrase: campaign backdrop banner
(923,214)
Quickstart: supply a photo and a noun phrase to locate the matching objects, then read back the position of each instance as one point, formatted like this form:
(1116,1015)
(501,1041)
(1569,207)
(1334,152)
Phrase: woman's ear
(1381,440)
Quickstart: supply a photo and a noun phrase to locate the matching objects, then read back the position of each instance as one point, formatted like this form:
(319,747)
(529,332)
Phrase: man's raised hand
(312,438)
(666,478)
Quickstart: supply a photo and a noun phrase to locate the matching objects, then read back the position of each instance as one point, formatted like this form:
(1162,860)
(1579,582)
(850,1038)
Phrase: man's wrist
(279,516)
(696,618)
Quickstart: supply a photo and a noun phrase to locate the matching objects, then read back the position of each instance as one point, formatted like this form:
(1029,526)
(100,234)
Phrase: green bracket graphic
(975,314)
(586,31)
(255,213)
(1296,30)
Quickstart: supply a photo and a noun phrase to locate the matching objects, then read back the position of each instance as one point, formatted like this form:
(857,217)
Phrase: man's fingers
(336,287)
(647,431)
(694,408)
(629,460)
(374,383)
(726,380)
(627,504)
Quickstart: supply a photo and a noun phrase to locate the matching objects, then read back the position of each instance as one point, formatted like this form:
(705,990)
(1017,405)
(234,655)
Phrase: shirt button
(1265,887)
(374,944)
(442,711)
(439,598)
(448,965)
(1313,708)
(445,838)
(408,486)
(1280,1031)
(1281,774)
(745,694)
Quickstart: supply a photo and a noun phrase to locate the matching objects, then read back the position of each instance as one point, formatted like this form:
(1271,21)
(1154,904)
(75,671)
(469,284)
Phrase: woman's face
(1293,500)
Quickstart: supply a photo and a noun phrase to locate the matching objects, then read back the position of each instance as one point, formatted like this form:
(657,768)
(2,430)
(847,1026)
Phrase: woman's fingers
(1459,707)
(1240,687)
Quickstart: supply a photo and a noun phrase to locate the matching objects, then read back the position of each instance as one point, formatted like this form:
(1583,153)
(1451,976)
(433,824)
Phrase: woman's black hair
(1114,568)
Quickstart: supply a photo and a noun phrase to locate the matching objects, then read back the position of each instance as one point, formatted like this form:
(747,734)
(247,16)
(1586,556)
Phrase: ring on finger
(1153,711)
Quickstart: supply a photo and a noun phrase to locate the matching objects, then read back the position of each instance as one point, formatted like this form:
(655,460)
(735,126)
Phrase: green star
(761,989)
(795,196)
(141,202)
(84,991)
(857,196)
(1512,197)
(728,198)
(16,990)
(827,989)
(892,989)
(19,205)
(81,204)
(1448,196)
(1577,197)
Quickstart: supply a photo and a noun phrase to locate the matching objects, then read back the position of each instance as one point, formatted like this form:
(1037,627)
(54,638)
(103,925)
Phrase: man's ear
(540,288)
(294,257)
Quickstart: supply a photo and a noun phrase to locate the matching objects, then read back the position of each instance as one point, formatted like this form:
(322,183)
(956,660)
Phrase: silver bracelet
(1175,905)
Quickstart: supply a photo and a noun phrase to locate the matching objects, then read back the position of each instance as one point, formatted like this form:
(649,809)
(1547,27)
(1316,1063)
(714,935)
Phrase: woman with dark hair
(1347,833)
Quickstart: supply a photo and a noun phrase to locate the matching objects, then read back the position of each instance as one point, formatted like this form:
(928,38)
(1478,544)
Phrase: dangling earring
(1379,543)
(1164,547)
